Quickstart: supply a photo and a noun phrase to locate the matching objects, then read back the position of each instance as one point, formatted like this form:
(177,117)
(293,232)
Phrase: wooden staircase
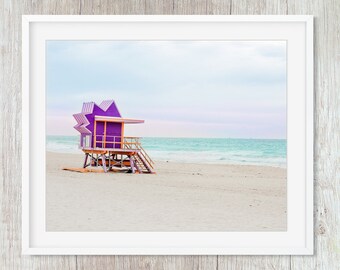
(142,161)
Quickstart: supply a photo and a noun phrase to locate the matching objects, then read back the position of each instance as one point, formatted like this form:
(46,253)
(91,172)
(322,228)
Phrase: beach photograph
(166,136)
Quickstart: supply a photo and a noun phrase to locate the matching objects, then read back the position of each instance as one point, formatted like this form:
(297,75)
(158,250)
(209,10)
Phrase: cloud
(180,81)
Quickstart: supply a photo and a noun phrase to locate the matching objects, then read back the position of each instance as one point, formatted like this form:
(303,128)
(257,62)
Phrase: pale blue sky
(233,89)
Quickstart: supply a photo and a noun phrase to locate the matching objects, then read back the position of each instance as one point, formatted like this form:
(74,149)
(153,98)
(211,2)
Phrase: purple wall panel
(112,129)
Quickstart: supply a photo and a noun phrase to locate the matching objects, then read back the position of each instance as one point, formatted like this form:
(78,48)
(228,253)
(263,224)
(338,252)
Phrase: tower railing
(107,141)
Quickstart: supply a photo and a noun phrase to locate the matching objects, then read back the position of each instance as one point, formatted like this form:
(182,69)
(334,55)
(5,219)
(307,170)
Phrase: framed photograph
(167,135)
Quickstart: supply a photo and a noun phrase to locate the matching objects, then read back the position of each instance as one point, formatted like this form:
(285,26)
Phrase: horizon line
(244,138)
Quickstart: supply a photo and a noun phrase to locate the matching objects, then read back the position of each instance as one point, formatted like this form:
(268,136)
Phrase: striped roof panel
(87,107)
(106,104)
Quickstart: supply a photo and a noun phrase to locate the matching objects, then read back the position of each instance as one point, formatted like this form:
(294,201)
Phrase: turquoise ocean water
(197,150)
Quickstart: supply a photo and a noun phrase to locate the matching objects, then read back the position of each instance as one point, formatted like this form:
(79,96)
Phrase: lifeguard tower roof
(118,119)
(107,111)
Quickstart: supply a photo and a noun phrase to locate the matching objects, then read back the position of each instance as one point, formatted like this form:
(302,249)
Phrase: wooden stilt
(137,165)
(109,162)
(104,163)
(132,164)
(85,161)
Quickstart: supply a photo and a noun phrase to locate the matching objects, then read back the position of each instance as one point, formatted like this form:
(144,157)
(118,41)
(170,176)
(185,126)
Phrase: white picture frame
(296,30)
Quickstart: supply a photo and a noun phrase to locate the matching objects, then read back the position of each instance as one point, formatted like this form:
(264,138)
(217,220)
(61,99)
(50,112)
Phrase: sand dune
(180,197)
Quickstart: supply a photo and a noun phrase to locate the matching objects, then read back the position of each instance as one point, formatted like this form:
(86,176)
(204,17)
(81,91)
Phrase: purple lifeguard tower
(102,139)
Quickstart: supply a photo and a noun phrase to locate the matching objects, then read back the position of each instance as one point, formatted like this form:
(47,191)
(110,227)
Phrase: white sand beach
(180,197)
